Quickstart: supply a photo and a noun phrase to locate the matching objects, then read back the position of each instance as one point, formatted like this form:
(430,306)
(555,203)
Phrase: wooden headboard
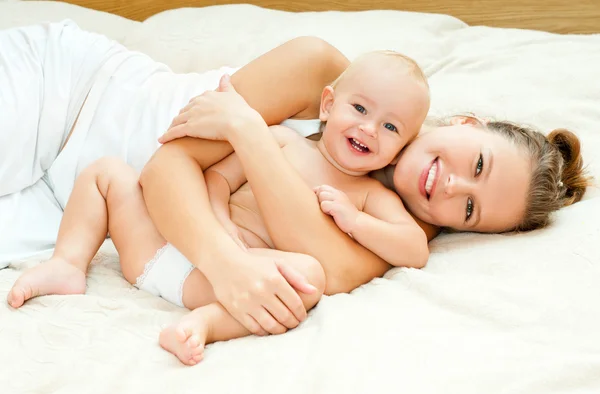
(560,16)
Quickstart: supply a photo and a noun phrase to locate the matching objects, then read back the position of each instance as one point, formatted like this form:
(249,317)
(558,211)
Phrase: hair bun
(573,176)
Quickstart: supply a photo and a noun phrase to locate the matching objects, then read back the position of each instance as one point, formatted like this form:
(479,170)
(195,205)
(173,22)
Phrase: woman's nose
(456,185)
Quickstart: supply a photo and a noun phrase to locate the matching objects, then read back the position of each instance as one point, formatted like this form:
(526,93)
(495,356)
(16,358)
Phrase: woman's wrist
(219,253)
(250,125)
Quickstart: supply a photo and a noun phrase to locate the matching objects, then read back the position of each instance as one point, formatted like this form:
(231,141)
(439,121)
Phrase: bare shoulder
(285,136)
(377,191)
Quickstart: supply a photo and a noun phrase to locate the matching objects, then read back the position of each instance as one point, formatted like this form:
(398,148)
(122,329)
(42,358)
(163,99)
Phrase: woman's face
(464,177)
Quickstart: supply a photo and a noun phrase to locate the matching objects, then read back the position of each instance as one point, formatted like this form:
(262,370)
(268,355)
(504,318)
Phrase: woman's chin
(422,214)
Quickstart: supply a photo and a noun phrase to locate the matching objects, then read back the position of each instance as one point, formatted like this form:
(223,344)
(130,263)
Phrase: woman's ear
(327,98)
(465,119)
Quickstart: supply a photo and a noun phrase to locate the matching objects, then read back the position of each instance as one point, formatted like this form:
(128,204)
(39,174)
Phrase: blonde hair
(558,178)
(409,64)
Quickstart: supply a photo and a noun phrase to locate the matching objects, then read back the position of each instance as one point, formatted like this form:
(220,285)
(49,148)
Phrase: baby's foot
(55,276)
(186,339)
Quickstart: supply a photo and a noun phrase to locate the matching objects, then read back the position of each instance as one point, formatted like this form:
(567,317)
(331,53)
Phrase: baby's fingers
(326,196)
(327,207)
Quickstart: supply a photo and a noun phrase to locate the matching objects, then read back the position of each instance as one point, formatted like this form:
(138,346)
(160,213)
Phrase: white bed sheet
(489,313)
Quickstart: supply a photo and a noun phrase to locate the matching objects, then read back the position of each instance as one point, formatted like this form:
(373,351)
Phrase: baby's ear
(327,99)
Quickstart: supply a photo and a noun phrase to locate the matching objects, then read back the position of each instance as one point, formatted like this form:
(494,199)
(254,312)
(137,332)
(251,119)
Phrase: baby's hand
(336,203)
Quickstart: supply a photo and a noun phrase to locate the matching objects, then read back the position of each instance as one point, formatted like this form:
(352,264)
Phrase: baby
(370,113)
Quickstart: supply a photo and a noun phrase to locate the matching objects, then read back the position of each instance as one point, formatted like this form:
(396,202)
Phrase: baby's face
(372,114)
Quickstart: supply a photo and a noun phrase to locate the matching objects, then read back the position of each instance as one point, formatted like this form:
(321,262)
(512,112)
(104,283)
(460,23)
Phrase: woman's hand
(256,291)
(212,115)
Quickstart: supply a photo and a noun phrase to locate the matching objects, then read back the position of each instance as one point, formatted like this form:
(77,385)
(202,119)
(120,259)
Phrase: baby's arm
(225,177)
(388,230)
(384,226)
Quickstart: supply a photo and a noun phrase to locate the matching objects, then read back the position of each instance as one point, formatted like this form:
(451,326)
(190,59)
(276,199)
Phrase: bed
(510,314)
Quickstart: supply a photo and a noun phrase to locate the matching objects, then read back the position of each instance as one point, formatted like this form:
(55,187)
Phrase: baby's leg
(212,323)
(106,195)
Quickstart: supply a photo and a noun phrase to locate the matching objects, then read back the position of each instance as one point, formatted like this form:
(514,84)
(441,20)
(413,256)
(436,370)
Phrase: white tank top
(131,103)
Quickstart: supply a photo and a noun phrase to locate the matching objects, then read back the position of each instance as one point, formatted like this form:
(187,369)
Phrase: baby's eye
(390,127)
(360,108)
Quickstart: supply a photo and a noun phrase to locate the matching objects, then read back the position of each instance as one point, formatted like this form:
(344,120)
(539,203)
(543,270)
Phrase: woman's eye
(390,127)
(360,108)
(469,209)
(479,165)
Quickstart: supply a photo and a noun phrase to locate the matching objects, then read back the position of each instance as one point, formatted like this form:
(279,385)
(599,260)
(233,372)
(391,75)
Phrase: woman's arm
(288,80)
(285,82)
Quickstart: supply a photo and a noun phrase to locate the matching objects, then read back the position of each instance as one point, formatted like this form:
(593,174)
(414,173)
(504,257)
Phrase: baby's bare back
(316,170)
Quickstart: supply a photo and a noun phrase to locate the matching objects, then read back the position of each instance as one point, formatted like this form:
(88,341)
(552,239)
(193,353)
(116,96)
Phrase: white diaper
(165,274)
